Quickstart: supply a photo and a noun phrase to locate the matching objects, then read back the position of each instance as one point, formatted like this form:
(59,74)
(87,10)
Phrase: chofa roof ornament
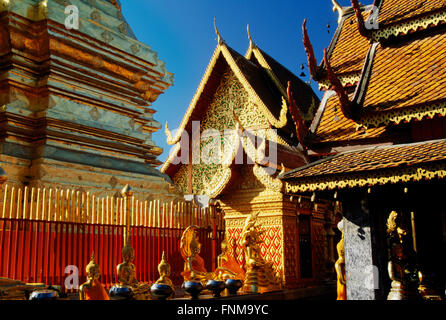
(312,63)
(347,107)
(219,37)
(251,42)
(340,9)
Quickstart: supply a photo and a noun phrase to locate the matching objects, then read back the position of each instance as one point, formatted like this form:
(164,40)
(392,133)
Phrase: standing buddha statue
(340,267)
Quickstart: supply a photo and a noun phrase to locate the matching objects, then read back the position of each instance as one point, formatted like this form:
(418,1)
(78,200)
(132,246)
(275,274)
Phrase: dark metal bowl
(160,291)
(193,288)
(216,287)
(44,295)
(121,293)
(233,285)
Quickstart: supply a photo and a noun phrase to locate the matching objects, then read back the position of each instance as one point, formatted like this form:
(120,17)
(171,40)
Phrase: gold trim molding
(427,172)
(345,80)
(414,25)
(405,115)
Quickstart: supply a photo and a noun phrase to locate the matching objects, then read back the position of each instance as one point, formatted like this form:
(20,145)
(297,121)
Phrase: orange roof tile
(334,126)
(407,74)
(350,48)
(397,11)
(372,159)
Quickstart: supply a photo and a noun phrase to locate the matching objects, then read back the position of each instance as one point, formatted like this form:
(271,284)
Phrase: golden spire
(219,38)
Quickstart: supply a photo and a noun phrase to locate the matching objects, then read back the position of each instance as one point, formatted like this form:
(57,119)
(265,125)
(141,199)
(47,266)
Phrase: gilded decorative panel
(217,148)
(272,246)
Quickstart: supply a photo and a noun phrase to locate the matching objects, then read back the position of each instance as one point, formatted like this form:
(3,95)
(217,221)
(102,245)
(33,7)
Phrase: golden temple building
(236,137)
(378,146)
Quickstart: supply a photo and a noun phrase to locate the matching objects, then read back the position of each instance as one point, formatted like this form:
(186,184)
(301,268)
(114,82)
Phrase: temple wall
(279,217)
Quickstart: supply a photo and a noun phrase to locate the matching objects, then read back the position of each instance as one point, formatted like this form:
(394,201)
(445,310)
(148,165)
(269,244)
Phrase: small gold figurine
(164,272)
(190,247)
(127,274)
(93,289)
(259,273)
(340,267)
(228,267)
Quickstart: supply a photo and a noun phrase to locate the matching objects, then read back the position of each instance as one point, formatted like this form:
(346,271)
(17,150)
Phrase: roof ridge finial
(312,63)
(251,42)
(220,39)
(340,9)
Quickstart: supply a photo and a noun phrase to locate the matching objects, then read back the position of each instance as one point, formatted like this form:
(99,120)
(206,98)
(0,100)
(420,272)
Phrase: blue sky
(182,33)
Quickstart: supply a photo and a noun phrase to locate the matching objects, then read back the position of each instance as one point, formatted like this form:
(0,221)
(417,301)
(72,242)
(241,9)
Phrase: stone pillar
(362,274)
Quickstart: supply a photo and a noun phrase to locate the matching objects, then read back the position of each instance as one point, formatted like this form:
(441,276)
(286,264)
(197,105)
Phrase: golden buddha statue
(127,274)
(340,267)
(164,272)
(259,273)
(93,289)
(190,247)
(228,267)
(401,265)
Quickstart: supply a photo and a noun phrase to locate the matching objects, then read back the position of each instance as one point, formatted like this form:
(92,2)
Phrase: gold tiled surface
(351,48)
(375,159)
(395,11)
(408,74)
(335,127)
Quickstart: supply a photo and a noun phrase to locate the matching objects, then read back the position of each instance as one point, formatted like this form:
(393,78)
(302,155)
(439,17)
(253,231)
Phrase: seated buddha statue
(190,247)
(127,274)
(164,272)
(228,267)
(93,289)
(260,275)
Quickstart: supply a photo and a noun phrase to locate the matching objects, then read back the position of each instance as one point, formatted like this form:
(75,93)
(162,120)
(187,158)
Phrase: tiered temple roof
(400,90)
(265,84)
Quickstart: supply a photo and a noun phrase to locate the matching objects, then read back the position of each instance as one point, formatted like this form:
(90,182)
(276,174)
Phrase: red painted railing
(42,231)
(39,251)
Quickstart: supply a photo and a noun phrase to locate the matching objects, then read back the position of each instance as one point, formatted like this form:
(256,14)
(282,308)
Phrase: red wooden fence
(37,250)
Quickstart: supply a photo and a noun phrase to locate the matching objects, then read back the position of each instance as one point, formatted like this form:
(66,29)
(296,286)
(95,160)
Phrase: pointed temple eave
(222,50)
